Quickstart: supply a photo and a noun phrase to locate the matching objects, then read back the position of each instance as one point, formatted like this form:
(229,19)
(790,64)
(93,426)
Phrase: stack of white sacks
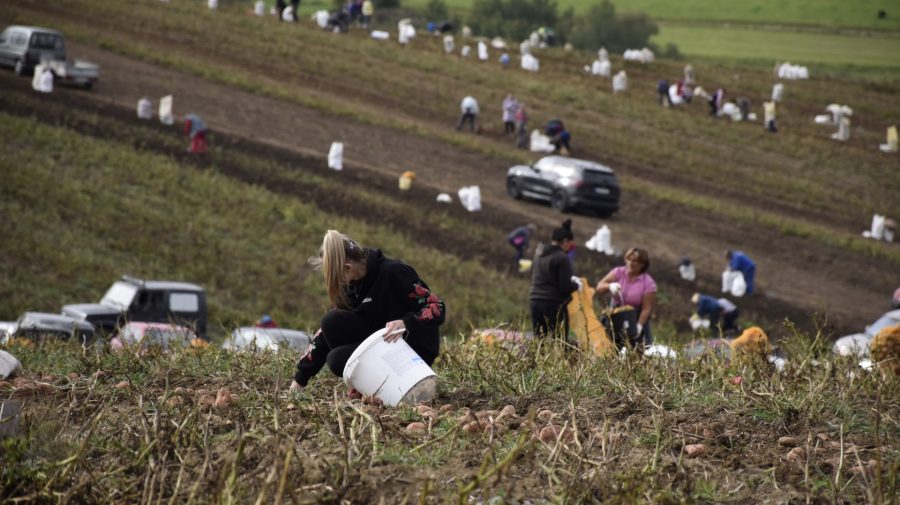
(644,55)
(788,71)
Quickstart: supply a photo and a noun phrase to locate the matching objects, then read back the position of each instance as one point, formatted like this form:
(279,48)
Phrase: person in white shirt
(469,112)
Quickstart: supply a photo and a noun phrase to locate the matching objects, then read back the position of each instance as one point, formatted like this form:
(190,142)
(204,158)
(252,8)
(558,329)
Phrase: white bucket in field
(259,8)
(391,371)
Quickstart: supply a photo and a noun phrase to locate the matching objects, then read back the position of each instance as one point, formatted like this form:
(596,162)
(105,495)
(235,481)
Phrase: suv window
(150,301)
(46,41)
(18,39)
(184,302)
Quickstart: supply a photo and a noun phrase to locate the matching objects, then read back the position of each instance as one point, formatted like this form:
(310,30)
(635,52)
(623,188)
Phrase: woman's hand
(395,330)
(295,386)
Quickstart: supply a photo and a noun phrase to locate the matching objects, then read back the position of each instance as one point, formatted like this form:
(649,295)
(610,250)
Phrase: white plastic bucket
(391,371)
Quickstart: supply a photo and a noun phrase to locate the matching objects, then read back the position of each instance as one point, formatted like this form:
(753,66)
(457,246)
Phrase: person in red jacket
(196,131)
(368,292)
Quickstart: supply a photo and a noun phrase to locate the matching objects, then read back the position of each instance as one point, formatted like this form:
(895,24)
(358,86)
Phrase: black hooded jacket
(389,291)
(551,278)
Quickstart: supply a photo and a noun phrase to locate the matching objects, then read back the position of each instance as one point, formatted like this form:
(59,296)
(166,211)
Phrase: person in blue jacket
(713,309)
(739,261)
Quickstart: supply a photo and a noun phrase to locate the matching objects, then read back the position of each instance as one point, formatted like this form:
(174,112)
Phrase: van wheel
(559,201)
(88,85)
(514,188)
(19,67)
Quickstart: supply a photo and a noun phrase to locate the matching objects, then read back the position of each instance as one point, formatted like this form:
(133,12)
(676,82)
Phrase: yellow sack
(885,349)
(584,323)
(752,341)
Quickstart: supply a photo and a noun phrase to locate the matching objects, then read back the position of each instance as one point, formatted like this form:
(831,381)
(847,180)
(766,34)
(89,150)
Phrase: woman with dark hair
(552,284)
(368,292)
(632,285)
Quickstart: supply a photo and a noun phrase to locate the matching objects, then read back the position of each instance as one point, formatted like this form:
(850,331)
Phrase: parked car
(250,337)
(162,334)
(858,343)
(24,47)
(567,183)
(132,299)
(38,326)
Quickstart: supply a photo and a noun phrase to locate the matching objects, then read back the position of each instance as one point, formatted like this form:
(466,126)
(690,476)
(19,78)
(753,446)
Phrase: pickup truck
(131,299)
(24,47)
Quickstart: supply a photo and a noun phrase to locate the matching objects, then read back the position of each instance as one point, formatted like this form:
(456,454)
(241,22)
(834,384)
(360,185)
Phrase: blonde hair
(337,249)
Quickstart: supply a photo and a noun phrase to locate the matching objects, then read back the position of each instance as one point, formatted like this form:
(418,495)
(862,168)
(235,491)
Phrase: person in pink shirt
(632,285)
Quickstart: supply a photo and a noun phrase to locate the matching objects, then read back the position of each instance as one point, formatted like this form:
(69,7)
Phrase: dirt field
(795,279)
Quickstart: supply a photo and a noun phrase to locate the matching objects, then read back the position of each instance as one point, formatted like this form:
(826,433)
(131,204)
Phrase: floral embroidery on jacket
(432,306)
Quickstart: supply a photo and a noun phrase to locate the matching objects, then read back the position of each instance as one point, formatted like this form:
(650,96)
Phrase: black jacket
(551,276)
(390,290)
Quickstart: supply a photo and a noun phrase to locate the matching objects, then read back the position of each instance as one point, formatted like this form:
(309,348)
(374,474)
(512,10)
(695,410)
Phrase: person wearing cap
(895,301)
(712,308)
(742,263)
(266,321)
(552,284)
(632,285)
(369,292)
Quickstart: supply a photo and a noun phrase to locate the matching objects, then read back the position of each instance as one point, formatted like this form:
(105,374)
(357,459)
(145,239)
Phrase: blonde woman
(369,292)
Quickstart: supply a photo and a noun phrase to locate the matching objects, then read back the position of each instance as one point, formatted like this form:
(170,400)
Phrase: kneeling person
(369,292)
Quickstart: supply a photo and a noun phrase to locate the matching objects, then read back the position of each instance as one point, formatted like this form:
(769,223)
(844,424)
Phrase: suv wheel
(514,188)
(19,67)
(559,201)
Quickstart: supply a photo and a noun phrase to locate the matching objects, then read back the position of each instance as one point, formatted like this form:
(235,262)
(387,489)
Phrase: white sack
(380,35)
(601,68)
(620,82)
(444,198)
(530,63)
(601,241)
(733,282)
(482,51)
(449,44)
(213,4)
(674,97)
(877,229)
(144,108)
(498,43)
(9,365)
(540,143)
(470,198)
(321,18)
(288,14)
(336,156)
(259,8)
(603,54)
(777,92)
(687,272)
(165,110)
(465,51)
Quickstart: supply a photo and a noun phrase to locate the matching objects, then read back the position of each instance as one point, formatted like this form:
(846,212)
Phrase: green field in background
(830,13)
(798,47)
